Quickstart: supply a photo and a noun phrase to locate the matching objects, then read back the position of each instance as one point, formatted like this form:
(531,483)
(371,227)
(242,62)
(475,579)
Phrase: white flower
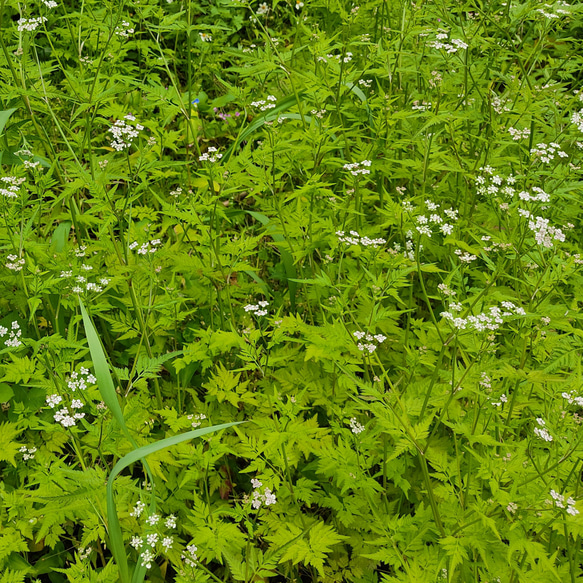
(167,542)
(205,37)
(355,426)
(152,539)
(138,509)
(136,542)
(152,520)
(30,24)
(53,400)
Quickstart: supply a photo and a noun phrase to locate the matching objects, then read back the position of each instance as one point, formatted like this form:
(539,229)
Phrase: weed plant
(356,229)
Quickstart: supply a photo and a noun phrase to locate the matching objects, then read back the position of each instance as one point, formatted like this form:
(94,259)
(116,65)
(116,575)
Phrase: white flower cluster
(196,420)
(124,133)
(14,263)
(503,399)
(358,167)
(544,232)
(485,381)
(27,452)
(205,37)
(265,105)
(490,320)
(355,239)
(500,104)
(464,256)
(84,553)
(560,502)
(211,155)
(53,400)
(519,134)
(541,431)
(365,83)
(151,539)
(147,247)
(421,105)
(445,290)
(14,334)
(424,223)
(546,152)
(559,9)
(80,380)
(67,419)
(539,195)
(450,45)
(266,497)
(12,188)
(191,558)
(346,59)
(491,184)
(258,309)
(124,30)
(355,426)
(50,3)
(370,340)
(573,398)
(577,119)
(30,24)
(82,280)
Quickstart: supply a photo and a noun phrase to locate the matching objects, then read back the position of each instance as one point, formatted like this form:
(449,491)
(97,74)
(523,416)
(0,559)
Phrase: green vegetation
(291,291)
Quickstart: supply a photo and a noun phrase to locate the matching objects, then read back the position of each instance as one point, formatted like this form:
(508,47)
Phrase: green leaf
(6,392)
(114,528)
(4,117)
(8,447)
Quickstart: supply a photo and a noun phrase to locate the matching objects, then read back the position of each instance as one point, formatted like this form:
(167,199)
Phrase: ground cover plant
(291,291)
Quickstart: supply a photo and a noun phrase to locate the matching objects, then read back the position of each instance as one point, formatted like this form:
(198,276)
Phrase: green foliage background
(445,452)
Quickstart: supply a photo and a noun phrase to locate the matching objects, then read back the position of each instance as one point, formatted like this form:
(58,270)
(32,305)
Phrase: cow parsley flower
(355,426)
(124,133)
(541,431)
(30,24)
(211,155)
(353,238)
(358,167)
(190,558)
(124,30)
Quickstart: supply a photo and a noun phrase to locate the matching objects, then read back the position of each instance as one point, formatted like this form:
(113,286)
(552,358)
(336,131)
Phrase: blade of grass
(115,534)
